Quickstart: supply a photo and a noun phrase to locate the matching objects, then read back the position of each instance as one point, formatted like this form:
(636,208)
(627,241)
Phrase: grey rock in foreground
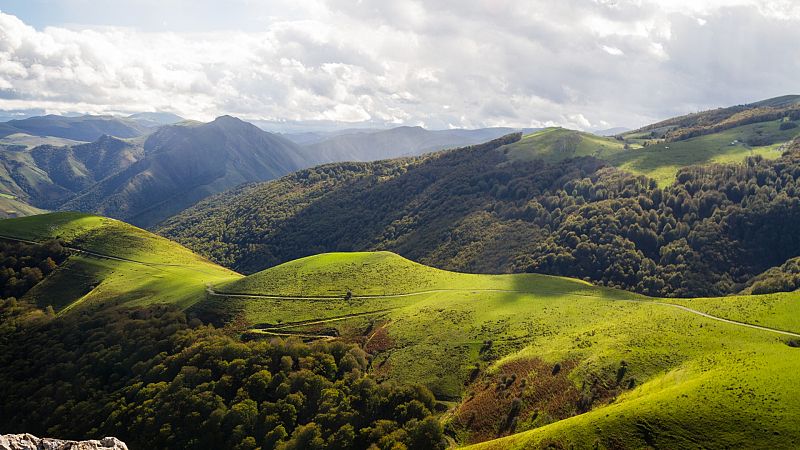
(31,442)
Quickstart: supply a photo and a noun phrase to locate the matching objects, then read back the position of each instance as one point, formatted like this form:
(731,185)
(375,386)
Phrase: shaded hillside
(438,208)
(46,176)
(477,210)
(81,128)
(10,207)
(185,163)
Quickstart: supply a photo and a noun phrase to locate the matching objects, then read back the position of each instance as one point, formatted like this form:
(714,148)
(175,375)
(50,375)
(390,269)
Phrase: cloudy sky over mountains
(434,63)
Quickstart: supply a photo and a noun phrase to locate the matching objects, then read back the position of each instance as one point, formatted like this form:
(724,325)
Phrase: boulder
(30,442)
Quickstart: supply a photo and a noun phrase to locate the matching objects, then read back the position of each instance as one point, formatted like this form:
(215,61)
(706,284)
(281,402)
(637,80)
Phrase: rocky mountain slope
(31,442)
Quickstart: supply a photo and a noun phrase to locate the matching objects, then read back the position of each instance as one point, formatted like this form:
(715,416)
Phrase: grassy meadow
(531,360)
(644,372)
(138,268)
(654,158)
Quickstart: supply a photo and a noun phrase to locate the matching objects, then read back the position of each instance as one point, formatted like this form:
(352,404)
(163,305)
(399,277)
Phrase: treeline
(24,265)
(155,379)
(784,278)
(709,233)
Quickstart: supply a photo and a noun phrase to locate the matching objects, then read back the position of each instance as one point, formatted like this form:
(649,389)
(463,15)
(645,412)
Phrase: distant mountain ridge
(183,164)
(371,145)
(148,166)
(46,176)
(82,128)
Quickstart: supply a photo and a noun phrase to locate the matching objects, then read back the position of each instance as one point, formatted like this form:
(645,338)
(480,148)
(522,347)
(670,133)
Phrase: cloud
(612,50)
(576,63)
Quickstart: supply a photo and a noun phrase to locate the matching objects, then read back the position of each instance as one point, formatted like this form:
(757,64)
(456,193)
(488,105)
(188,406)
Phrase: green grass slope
(118,262)
(554,144)
(579,365)
(638,153)
(661,160)
(379,273)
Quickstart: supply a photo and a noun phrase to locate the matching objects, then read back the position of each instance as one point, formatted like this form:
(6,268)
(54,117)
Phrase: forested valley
(714,231)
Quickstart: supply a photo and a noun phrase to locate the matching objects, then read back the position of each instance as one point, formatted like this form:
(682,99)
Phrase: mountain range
(547,288)
(146,167)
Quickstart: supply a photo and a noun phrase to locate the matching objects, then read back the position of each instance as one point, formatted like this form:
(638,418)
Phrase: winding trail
(154,265)
(214,293)
(732,322)
(210,291)
(319,321)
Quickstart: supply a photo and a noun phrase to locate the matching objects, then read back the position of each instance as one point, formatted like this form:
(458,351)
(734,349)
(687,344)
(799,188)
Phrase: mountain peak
(227,119)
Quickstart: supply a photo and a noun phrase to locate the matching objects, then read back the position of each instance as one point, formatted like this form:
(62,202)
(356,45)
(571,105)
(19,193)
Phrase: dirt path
(319,321)
(410,294)
(732,322)
(212,292)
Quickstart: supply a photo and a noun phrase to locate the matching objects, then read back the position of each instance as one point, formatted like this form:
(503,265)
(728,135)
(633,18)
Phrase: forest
(156,378)
(714,231)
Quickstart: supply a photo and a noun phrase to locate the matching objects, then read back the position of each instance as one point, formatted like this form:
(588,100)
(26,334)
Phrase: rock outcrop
(31,442)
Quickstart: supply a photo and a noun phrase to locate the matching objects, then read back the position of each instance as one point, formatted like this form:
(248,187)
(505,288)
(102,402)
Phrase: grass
(554,144)
(658,160)
(380,273)
(780,310)
(742,396)
(150,269)
(686,376)
(662,160)
(646,374)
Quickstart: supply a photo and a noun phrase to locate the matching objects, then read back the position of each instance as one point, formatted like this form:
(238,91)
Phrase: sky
(584,64)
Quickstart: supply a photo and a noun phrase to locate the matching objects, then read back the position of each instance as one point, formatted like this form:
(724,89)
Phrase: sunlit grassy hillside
(533,360)
(576,364)
(120,263)
(642,154)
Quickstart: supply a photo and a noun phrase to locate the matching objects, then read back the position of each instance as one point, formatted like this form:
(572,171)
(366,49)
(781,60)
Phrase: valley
(623,360)
(545,288)
(406,225)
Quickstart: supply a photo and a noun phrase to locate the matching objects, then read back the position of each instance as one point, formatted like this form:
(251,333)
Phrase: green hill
(80,128)
(497,208)
(660,159)
(369,273)
(555,144)
(575,363)
(542,360)
(114,262)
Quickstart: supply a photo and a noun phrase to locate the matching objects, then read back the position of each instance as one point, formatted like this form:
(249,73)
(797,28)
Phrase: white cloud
(499,62)
(613,50)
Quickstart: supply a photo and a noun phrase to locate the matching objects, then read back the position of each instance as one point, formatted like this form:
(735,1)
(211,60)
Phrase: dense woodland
(710,233)
(157,379)
(24,265)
